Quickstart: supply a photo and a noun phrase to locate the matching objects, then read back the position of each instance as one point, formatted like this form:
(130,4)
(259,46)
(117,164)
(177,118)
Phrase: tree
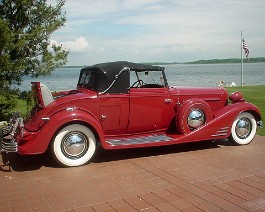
(26,27)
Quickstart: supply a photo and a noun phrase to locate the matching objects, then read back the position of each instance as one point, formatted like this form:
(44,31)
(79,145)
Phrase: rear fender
(41,140)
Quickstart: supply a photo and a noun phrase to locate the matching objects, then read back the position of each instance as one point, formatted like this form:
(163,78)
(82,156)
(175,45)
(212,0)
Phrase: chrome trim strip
(9,146)
(45,119)
(222,132)
(115,79)
(70,109)
(139,140)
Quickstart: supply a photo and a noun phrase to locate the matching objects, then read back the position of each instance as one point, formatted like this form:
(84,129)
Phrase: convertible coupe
(127,105)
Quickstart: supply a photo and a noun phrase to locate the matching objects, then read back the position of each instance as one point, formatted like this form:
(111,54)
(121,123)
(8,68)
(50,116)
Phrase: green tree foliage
(25,48)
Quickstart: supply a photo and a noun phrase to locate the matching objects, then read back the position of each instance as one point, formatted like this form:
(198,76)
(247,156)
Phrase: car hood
(205,93)
(198,90)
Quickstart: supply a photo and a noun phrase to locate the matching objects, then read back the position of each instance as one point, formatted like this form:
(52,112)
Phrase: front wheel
(243,129)
(74,145)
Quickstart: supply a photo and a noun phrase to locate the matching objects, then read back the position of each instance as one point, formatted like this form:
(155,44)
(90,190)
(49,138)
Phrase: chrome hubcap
(196,118)
(74,144)
(243,128)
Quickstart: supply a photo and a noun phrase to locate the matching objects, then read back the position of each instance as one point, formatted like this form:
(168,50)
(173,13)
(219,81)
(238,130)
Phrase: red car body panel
(133,117)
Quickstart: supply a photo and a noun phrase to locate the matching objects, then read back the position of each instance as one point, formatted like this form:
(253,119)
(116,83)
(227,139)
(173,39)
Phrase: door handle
(103,117)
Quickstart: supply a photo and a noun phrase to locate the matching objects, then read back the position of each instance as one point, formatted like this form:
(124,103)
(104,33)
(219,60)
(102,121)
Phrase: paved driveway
(192,177)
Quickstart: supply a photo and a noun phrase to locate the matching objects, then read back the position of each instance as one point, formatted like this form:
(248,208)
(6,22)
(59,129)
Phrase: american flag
(245,47)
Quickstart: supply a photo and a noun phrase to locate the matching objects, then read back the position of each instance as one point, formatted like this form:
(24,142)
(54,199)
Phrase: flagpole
(242,82)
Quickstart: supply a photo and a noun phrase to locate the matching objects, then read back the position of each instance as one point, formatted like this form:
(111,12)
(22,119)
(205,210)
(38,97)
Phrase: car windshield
(147,78)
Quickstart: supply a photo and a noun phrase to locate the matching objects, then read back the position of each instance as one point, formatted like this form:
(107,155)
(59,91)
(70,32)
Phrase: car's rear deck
(189,177)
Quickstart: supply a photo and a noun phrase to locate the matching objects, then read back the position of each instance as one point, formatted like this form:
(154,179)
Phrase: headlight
(236,97)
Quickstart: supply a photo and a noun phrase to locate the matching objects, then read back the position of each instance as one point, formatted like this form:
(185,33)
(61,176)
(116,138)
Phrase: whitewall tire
(74,145)
(243,129)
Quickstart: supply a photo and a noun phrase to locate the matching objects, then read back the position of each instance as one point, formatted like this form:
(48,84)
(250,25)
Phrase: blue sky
(160,30)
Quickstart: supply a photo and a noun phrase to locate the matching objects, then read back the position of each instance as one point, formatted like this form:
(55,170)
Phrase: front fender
(220,126)
(39,141)
(234,109)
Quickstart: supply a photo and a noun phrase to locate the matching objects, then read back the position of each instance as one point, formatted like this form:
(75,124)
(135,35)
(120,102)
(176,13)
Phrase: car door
(149,109)
(114,113)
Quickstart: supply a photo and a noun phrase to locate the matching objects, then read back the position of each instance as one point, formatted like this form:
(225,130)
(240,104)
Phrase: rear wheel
(243,129)
(74,145)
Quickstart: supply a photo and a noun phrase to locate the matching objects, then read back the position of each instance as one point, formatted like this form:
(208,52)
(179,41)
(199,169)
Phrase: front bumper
(260,124)
(7,143)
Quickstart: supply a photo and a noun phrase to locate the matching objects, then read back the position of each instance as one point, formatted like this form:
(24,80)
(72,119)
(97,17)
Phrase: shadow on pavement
(123,154)
(33,162)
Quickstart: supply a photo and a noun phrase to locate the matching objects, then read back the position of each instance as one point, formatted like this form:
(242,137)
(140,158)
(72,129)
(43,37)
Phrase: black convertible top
(113,68)
(103,75)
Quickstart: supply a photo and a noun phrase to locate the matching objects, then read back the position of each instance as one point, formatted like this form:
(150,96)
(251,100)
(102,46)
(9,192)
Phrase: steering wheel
(139,83)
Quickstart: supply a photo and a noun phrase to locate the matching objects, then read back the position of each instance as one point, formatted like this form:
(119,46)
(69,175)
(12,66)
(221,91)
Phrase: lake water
(207,75)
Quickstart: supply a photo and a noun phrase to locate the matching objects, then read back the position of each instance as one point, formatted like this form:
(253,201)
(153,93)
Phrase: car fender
(233,110)
(40,142)
(220,126)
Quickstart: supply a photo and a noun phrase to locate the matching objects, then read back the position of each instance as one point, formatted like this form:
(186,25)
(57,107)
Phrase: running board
(150,139)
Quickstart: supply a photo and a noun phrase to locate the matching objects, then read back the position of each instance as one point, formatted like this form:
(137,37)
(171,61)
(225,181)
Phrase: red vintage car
(127,105)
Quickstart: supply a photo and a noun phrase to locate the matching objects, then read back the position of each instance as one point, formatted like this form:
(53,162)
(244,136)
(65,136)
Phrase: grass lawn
(22,107)
(252,94)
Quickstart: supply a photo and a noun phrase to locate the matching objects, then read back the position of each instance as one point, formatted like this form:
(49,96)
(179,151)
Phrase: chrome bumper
(7,141)
(260,124)
(7,145)
(4,149)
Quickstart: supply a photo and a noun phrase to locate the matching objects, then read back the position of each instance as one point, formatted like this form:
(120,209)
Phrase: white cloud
(78,45)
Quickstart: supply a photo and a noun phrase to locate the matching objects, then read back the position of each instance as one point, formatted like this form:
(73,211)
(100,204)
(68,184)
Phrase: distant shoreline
(210,61)
(216,61)
(230,60)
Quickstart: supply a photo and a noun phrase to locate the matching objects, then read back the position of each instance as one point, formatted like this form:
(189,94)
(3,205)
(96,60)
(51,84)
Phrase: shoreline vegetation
(210,61)
(231,60)
(217,61)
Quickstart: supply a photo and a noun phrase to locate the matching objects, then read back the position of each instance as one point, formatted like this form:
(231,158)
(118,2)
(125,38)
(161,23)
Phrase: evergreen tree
(26,27)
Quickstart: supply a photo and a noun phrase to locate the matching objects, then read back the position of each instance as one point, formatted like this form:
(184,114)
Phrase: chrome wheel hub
(243,128)
(74,144)
(196,118)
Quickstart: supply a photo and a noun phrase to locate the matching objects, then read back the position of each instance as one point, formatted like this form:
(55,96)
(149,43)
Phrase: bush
(8,101)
